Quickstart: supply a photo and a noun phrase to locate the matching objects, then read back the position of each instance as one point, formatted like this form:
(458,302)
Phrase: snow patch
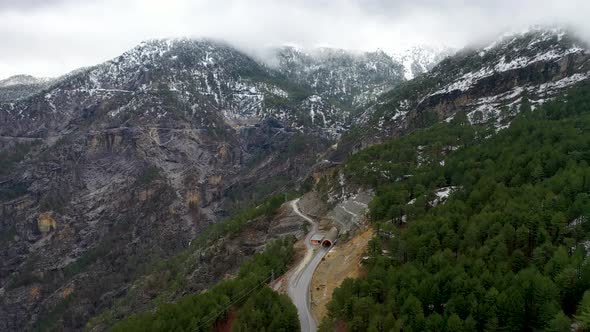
(442,194)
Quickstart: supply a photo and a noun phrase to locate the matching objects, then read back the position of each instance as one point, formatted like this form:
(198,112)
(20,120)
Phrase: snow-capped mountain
(22,86)
(207,79)
(488,84)
(23,80)
(421,59)
(315,89)
(134,157)
(352,79)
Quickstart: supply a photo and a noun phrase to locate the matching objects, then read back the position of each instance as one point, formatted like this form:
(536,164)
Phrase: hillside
(488,84)
(22,86)
(477,230)
(124,164)
(157,174)
(110,169)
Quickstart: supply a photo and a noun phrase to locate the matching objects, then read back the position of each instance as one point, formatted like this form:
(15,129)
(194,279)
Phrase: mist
(52,37)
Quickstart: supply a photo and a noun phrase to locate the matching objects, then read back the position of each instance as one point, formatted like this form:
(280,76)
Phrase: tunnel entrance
(330,238)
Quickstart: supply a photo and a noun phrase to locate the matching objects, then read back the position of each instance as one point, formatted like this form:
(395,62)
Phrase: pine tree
(560,323)
(583,313)
(454,324)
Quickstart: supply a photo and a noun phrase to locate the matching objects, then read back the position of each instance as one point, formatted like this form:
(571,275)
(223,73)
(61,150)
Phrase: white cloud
(51,37)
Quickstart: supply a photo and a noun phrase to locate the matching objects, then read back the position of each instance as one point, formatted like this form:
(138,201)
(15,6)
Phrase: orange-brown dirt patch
(343,261)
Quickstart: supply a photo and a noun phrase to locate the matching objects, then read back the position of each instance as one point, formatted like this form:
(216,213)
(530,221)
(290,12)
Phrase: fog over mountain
(52,37)
(303,165)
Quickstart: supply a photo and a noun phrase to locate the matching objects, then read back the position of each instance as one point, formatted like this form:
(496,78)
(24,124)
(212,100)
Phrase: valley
(164,189)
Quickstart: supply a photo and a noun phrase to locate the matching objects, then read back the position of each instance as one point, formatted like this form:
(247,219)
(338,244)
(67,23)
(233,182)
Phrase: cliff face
(486,84)
(123,164)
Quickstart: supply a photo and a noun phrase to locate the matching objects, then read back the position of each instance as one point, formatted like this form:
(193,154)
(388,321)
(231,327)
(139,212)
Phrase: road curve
(300,280)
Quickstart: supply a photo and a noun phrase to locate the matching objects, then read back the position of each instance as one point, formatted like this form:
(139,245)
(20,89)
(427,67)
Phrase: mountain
(488,84)
(350,79)
(421,59)
(22,86)
(133,159)
(112,168)
(475,229)
(111,172)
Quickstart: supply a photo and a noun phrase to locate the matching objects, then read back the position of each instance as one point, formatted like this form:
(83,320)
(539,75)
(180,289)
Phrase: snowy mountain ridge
(421,59)
(22,86)
(354,78)
(488,84)
(23,80)
(314,89)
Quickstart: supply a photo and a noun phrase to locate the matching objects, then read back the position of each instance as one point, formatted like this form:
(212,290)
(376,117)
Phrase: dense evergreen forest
(507,250)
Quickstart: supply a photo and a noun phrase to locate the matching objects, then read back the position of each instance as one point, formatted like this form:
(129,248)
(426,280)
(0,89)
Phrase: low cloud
(51,37)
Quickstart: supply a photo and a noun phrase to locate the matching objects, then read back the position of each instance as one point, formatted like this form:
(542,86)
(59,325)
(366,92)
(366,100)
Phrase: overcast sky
(52,37)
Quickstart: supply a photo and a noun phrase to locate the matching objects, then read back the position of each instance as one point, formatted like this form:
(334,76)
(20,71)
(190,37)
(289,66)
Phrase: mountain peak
(23,80)
(533,37)
(420,59)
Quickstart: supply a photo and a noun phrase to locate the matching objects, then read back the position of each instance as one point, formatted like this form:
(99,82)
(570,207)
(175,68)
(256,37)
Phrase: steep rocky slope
(124,163)
(488,84)
(350,79)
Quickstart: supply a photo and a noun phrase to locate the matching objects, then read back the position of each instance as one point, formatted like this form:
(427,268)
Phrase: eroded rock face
(122,165)
(102,205)
(486,84)
(46,223)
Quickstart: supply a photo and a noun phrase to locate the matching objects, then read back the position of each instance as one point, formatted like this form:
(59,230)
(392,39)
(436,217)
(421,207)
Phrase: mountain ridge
(488,83)
(23,79)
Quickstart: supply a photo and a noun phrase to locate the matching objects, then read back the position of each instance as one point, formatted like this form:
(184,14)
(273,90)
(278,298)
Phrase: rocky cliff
(487,84)
(125,163)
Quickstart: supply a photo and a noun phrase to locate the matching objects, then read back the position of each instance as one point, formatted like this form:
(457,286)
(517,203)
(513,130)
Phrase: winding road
(300,280)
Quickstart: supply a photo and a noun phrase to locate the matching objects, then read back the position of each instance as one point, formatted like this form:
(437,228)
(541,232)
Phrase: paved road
(300,280)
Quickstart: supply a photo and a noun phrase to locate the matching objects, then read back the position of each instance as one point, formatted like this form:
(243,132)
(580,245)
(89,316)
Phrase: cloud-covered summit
(51,37)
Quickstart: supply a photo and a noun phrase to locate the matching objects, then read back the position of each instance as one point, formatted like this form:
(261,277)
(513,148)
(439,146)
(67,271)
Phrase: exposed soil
(227,324)
(343,261)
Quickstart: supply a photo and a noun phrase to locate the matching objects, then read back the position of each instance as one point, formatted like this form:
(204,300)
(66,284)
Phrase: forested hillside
(165,287)
(477,230)
(263,308)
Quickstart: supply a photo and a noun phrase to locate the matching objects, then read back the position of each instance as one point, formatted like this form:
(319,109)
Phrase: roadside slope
(339,264)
